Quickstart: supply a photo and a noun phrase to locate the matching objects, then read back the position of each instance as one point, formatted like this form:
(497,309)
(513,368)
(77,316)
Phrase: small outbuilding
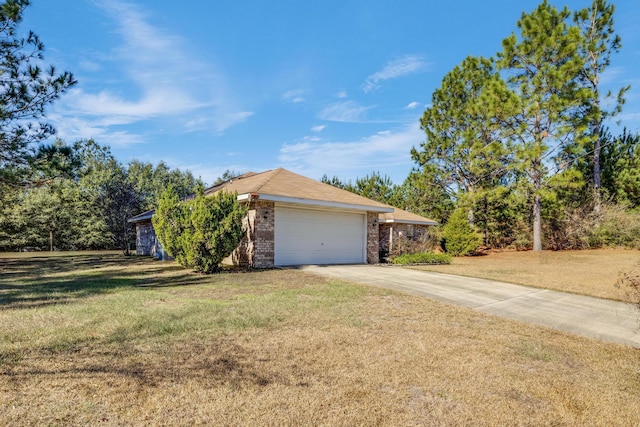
(295,220)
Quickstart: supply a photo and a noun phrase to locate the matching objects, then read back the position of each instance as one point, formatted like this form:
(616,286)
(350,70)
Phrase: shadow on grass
(214,363)
(28,282)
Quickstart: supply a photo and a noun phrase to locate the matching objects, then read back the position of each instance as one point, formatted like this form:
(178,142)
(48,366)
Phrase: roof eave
(312,202)
(399,221)
(142,217)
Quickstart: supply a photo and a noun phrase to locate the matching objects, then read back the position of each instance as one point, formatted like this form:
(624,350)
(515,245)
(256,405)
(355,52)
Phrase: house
(294,220)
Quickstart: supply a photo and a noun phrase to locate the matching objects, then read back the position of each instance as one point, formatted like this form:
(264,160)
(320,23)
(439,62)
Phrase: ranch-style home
(294,220)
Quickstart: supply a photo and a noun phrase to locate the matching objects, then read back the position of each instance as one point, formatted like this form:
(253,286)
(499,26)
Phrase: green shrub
(617,226)
(460,237)
(199,233)
(423,258)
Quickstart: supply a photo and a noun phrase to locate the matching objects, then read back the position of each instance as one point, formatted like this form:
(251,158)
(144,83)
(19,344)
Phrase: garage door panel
(304,236)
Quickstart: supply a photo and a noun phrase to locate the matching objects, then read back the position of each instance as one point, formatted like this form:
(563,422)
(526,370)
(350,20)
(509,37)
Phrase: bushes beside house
(422,258)
(200,232)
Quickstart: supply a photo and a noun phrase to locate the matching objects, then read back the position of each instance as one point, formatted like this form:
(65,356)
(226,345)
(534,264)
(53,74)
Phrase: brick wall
(397,238)
(257,247)
(145,238)
(373,238)
(264,235)
(385,239)
(147,242)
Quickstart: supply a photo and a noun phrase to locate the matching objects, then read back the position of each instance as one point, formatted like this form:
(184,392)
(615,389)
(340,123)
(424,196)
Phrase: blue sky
(333,87)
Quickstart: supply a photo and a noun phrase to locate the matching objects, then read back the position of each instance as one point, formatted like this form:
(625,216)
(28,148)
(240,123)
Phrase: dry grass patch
(288,348)
(588,272)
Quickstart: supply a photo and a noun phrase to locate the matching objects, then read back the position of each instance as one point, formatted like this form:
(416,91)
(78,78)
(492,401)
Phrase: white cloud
(157,78)
(294,96)
(218,123)
(400,67)
(89,65)
(73,128)
(342,94)
(318,128)
(381,151)
(412,105)
(344,111)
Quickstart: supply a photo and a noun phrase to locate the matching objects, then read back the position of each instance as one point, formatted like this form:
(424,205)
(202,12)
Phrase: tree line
(89,206)
(517,144)
(59,195)
(519,141)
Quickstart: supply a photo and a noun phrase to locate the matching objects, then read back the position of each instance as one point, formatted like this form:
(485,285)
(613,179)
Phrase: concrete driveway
(592,317)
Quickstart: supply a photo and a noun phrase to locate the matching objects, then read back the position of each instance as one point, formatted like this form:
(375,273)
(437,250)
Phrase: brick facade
(147,242)
(392,236)
(257,247)
(373,238)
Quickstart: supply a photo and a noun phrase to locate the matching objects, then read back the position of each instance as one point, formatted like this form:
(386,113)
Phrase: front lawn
(91,339)
(589,272)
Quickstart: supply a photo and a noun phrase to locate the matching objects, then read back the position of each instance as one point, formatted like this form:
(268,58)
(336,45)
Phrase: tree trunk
(537,205)
(597,147)
(50,240)
(537,224)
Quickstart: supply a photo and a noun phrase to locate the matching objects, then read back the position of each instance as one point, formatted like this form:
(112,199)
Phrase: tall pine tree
(464,147)
(543,66)
(598,44)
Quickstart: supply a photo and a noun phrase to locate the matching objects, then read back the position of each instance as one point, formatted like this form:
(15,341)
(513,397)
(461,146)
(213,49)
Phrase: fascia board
(395,221)
(322,203)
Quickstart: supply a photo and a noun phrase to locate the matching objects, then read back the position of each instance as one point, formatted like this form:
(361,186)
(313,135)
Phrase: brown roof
(285,186)
(398,215)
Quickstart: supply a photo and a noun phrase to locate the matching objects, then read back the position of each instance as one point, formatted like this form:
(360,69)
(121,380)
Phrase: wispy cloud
(412,105)
(400,67)
(318,128)
(295,96)
(158,78)
(344,111)
(381,151)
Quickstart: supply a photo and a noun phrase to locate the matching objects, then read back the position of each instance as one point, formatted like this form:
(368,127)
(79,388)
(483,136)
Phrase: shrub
(617,226)
(583,228)
(423,258)
(199,233)
(459,236)
(429,241)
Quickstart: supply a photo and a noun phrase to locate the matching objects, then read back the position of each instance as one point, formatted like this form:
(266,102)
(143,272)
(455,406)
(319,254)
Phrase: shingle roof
(399,215)
(284,186)
(279,184)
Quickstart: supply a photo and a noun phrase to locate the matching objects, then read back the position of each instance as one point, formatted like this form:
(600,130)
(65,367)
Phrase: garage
(309,236)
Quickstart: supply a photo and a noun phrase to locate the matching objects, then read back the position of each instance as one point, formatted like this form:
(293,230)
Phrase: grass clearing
(99,339)
(590,272)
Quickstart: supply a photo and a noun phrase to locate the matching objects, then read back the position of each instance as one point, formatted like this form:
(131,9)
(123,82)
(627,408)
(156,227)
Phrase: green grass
(55,307)
(99,339)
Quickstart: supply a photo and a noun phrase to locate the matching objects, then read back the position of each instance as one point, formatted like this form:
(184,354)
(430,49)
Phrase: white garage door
(305,236)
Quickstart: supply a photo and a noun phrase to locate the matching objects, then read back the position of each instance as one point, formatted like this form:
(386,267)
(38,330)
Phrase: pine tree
(598,44)
(544,66)
(25,91)
(464,149)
